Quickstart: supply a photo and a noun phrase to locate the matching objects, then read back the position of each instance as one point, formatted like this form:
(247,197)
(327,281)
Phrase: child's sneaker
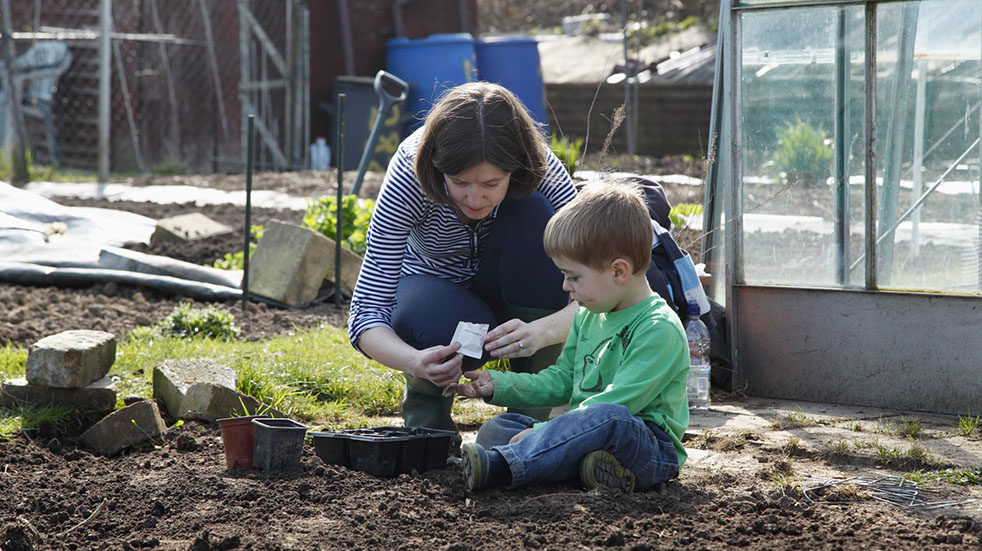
(475,464)
(600,471)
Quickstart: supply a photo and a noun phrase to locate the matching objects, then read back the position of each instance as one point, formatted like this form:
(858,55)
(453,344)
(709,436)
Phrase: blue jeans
(552,452)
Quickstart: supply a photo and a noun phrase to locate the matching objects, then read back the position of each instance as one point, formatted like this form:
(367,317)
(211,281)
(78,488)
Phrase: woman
(456,235)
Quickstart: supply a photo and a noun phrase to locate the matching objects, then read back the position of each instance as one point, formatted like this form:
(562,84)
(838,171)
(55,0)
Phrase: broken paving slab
(124,427)
(193,226)
(210,402)
(290,263)
(71,359)
(173,378)
(99,396)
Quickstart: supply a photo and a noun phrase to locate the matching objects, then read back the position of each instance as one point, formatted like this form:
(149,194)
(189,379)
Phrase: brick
(124,427)
(172,379)
(71,359)
(99,396)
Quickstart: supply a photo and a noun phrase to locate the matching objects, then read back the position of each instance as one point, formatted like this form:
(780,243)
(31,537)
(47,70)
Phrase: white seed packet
(471,338)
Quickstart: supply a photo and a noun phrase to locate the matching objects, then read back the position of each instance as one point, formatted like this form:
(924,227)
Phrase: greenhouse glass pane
(802,220)
(927,121)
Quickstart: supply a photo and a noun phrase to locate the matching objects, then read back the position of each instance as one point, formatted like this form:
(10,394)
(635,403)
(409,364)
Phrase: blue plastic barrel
(431,66)
(514,63)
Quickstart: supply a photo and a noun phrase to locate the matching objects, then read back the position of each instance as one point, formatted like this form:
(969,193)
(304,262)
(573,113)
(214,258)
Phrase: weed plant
(568,150)
(26,418)
(186,321)
(236,261)
(968,425)
(909,428)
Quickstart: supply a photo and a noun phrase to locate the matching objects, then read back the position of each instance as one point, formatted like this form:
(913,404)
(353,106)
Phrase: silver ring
(520,345)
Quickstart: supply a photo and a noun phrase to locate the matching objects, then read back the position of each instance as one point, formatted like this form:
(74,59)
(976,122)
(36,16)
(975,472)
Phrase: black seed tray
(385,451)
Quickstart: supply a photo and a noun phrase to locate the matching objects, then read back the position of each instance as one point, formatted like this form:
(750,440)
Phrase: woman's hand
(439,364)
(481,385)
(512,339)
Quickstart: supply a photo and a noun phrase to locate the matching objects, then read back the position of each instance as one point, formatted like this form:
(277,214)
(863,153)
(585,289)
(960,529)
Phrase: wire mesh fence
(184,75)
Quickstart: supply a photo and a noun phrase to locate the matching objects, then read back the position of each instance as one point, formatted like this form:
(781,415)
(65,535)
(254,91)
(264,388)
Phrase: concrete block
(71,359)
(136,423)
(99,396)
(350,266)
(289,264)
(210,402)
(187,227)
(172,379)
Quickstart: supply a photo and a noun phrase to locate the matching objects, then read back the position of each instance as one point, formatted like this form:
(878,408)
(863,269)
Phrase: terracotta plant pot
(238,437)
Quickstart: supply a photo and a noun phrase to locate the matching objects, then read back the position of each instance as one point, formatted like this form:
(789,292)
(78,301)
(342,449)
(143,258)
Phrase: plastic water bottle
(320,154)
(698,336)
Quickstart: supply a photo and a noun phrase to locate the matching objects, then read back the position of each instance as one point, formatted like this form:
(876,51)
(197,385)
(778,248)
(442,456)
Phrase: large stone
(71,359)
(172,379)
(187,227)
(99,396)
(350,266)
(291,263)
(210,402)
(136,423)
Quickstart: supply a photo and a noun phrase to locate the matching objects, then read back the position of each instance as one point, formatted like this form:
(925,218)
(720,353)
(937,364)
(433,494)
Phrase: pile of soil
(175,493)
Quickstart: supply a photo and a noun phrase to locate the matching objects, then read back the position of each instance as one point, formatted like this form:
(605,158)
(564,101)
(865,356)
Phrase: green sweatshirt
(637,357)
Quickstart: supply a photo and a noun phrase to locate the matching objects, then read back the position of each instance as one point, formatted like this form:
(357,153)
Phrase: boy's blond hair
(605,221)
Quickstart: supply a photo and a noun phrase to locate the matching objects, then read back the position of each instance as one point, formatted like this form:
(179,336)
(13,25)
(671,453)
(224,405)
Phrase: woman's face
(476,191)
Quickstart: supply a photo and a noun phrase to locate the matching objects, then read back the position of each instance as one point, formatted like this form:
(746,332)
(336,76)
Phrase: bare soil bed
(175,493)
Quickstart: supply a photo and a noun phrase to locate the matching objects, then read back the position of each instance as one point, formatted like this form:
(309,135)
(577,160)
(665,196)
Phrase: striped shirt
(411,235)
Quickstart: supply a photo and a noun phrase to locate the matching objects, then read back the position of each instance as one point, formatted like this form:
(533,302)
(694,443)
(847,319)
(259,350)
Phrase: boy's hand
(481,385)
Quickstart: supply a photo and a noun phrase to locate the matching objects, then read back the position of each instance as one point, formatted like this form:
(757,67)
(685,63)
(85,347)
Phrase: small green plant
(683,213)
(834,450)
(188,322)
(968,425)
(236,261)
(355,213)
(568,150)
(795,420)
(804,154)
(909,428)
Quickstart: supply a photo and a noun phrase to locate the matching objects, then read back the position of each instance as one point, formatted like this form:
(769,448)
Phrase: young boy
(623,369)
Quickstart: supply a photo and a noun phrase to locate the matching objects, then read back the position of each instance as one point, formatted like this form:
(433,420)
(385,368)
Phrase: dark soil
(175,493)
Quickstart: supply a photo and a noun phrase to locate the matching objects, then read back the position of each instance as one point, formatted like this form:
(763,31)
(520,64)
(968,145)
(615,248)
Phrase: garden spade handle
(391,90)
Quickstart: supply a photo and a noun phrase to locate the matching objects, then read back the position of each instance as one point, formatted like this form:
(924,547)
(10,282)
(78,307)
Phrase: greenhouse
(843,200)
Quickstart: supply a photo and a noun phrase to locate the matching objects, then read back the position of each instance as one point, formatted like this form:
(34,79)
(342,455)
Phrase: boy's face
(593,289)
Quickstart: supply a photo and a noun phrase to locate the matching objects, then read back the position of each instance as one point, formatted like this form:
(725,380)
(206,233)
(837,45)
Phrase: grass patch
(12,361)
(14,421)
(832,451)
(314,376)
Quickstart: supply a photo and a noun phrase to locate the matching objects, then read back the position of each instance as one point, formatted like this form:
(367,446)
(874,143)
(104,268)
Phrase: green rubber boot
(424,405)
(536,362)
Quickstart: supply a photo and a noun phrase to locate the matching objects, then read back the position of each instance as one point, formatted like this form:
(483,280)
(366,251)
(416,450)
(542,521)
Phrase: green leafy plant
(236,261)
(909,428)
(568,150)
(804,153)
(682,213)
(355,213)
(185,321)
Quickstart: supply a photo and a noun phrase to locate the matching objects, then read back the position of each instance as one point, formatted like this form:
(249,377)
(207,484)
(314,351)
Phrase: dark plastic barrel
(431,66)
(515,64)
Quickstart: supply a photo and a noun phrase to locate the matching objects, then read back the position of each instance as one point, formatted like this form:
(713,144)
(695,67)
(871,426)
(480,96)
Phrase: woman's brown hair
(477,122)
